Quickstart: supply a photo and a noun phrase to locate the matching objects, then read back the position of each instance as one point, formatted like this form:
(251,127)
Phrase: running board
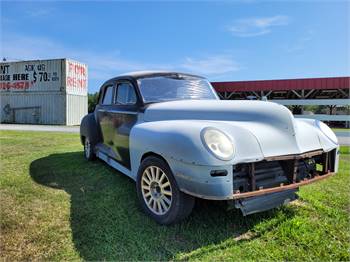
(111,162)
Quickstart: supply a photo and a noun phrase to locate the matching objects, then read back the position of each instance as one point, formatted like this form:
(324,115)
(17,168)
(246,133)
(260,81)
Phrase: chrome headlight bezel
(228,143)
(327,131)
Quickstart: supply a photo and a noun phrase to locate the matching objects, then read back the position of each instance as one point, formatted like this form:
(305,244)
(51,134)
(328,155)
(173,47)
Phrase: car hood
(223,110)
(272,125)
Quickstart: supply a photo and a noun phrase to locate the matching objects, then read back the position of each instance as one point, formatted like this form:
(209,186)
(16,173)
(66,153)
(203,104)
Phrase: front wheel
(159,194)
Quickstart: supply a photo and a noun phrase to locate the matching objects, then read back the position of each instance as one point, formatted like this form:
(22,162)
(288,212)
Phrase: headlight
(327,131)
(217,143)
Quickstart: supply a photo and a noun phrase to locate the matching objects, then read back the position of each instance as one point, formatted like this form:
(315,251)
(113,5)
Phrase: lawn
(57,206)
(341,129)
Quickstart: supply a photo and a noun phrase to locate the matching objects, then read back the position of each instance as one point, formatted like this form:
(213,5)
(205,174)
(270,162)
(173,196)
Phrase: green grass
(57,206)
(341,129)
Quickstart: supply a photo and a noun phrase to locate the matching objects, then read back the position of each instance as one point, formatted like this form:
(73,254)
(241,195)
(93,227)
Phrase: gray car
(170,133)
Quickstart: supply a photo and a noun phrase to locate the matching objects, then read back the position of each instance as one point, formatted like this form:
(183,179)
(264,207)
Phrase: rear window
(108,97)
(126,94)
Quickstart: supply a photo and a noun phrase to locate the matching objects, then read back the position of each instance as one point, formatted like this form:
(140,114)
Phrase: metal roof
(284,84)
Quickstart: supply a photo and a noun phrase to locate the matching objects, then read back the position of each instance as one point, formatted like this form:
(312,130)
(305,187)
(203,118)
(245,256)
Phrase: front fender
(180,140)
(308,127)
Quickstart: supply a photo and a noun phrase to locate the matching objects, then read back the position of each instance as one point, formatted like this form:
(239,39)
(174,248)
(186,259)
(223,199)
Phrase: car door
(104,115)
(124,117)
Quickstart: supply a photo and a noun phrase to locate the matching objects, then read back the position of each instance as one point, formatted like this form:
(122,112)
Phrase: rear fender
(89,128)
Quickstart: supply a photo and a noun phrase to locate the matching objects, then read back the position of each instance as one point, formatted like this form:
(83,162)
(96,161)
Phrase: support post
(295,169)
(325,163)
(252,176)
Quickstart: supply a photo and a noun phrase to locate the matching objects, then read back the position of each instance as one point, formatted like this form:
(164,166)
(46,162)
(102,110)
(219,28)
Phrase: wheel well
(152,154)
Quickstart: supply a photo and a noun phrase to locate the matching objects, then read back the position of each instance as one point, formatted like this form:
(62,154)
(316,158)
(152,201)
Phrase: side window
(108,97)
(126,94)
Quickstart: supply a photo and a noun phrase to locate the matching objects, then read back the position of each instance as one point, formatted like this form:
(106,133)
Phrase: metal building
(43,92)
(328,91)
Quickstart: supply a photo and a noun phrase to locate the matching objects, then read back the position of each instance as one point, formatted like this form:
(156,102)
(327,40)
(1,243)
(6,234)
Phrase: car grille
(283,170)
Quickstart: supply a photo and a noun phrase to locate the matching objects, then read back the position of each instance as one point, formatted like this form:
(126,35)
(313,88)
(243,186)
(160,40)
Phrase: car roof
(145,74)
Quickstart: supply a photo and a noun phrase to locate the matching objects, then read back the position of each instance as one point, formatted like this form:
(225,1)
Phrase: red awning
(284,84)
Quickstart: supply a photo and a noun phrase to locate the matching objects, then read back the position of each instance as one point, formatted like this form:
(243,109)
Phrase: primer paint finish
(43,92)
(172,130)
(258,130)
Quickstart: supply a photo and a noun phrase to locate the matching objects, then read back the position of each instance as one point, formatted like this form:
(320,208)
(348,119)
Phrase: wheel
(89,150)
(159,194)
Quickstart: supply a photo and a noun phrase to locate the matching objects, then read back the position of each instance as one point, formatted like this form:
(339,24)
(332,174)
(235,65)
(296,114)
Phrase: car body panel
(260,131)
(273,126)
(116,125)
(178,140)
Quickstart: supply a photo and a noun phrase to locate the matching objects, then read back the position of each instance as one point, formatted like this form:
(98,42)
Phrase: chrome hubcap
(156,190)
(87,148)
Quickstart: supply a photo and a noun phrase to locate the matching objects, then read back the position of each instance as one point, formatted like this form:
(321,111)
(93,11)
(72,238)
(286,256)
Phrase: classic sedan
(171,133)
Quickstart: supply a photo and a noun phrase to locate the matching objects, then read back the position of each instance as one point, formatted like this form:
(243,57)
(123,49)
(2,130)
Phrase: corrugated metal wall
(33,108)
(77,107)
(76,89)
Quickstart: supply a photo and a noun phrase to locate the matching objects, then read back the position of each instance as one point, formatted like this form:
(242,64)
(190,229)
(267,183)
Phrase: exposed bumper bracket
(281,188)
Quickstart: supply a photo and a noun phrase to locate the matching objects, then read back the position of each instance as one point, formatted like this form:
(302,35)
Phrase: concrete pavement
(343,137)
(47,128)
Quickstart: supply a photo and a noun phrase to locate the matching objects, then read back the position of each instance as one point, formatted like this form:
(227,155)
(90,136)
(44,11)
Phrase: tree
(92,101)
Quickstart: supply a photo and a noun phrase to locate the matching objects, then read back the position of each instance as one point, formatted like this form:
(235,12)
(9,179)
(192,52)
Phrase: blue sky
(241,40)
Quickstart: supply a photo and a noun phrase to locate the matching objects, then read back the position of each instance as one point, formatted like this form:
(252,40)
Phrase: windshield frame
(139,79)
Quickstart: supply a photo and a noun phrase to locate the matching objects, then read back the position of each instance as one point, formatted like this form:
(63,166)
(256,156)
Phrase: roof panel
(284,84)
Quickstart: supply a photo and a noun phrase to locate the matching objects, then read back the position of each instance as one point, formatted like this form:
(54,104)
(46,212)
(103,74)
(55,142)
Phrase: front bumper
(282,173)
(281,188)
(255,179)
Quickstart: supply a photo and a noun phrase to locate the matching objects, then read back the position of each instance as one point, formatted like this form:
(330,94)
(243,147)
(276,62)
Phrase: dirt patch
(245,236)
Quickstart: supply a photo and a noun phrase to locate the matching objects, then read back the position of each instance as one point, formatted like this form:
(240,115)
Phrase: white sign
(44,75)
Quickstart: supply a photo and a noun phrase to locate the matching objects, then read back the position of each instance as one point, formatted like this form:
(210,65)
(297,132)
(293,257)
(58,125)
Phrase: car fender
(305,126)
(89,128)
(180,140)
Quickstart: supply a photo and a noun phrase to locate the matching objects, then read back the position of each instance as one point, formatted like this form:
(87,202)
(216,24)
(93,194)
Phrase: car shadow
(107,223)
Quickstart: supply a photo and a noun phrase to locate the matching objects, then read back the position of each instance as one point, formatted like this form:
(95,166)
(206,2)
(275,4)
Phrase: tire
(89,153)
(161,191)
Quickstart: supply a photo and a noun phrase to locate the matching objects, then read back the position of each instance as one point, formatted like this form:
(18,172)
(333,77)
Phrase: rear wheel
(159,194)
(89,150)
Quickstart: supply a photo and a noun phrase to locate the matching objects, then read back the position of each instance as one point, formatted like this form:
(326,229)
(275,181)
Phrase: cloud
(107,64)
(249,27)
(102,65)
(301,43)
(39,11)
(212,65)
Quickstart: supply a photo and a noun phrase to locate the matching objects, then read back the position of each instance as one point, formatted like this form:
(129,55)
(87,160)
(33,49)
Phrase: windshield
(177,87)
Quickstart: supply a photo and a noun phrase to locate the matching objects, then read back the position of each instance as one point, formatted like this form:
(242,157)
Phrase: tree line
(92,101)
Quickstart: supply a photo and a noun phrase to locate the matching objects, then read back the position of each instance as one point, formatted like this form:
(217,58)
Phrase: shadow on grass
(107,223)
